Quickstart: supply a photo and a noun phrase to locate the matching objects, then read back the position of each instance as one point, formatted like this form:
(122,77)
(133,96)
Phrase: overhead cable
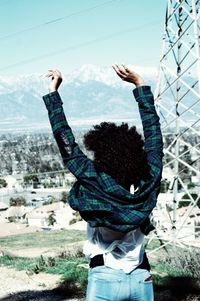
(55,20)
(77,46)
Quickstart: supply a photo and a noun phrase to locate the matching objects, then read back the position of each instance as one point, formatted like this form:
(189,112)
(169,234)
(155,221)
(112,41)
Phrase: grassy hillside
(50,239)
(176,271)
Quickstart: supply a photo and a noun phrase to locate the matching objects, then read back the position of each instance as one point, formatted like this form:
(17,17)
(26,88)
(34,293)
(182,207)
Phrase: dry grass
(177,275)
(185,262)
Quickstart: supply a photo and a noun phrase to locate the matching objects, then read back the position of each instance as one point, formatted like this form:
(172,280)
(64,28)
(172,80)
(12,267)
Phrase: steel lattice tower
(178,104)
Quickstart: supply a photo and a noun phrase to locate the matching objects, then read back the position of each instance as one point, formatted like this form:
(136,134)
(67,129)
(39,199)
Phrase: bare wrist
(141,83)
(52,90)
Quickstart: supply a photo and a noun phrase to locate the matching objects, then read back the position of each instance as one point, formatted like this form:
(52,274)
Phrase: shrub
(43,264)
(31,179)
(3,183)
(64,197)
(184,262)
(19,201)
(72,221)
(76,218)
(51,219)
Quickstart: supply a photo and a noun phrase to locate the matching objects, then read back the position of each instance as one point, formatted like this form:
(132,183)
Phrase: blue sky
(99,32)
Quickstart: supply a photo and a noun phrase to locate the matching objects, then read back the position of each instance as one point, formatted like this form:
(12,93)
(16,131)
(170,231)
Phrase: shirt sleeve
(73,158)
(152,133)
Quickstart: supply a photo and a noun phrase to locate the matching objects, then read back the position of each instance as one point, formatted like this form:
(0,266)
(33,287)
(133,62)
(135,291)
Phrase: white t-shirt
(120,250)
(123,251)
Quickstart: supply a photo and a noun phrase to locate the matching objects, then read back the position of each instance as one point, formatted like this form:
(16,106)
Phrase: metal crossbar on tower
(178,104)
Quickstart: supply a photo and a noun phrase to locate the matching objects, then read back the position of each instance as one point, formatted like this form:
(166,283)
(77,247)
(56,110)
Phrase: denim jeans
(106,284)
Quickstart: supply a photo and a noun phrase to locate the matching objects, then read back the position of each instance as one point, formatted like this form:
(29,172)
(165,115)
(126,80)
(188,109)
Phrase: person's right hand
(128,75)
(56,79)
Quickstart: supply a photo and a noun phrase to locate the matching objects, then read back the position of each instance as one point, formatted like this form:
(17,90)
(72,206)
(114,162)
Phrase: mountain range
(90,94)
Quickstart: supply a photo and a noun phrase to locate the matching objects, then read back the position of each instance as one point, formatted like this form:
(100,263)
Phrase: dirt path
(19,286)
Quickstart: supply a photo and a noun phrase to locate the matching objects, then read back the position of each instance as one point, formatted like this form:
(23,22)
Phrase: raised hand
(56,79)
(128,75)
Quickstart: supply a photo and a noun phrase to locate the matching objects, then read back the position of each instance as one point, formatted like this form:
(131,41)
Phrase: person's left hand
(56,79)
(128,75)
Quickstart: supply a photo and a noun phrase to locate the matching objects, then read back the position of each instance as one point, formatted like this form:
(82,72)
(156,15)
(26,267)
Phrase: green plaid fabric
(97,196)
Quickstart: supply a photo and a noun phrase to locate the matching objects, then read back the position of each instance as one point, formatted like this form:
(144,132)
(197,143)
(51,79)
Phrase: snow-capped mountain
(90,94)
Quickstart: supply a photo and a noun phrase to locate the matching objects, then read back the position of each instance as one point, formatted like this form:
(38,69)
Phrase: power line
(79,45)
(56,20)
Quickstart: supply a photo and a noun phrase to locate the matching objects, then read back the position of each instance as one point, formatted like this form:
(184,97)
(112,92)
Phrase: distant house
(14,183)
(36,202)
(16,214)
(3,208)
(57,215)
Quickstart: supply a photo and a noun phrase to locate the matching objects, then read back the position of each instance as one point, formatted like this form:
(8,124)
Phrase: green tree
(51,219)
(48,202)
(3,183)
(64,197)
(76,218)
(31,179)
(19,201)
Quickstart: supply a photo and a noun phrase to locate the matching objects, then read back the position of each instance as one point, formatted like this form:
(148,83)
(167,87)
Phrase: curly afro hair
(118,151)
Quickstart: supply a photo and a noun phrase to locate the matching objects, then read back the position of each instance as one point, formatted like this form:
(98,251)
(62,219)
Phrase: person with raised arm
(115,192)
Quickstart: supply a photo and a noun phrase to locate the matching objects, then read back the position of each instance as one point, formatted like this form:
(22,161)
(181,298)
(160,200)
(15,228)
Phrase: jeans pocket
(101,287)
(103,284)
(147,287)
(148,279)
(142,275)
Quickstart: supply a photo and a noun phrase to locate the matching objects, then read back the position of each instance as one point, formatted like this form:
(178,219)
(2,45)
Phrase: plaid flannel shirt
(97,196)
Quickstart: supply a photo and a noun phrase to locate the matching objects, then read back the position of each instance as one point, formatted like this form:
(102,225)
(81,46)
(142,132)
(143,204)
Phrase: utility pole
(178,102)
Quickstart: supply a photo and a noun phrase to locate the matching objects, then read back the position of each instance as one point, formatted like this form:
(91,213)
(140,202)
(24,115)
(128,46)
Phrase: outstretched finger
(121,69)
(50,71)
(126,68)
(115,67)
(53,71)
(58,72)
(118,71)
(49,74)
(120,74)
